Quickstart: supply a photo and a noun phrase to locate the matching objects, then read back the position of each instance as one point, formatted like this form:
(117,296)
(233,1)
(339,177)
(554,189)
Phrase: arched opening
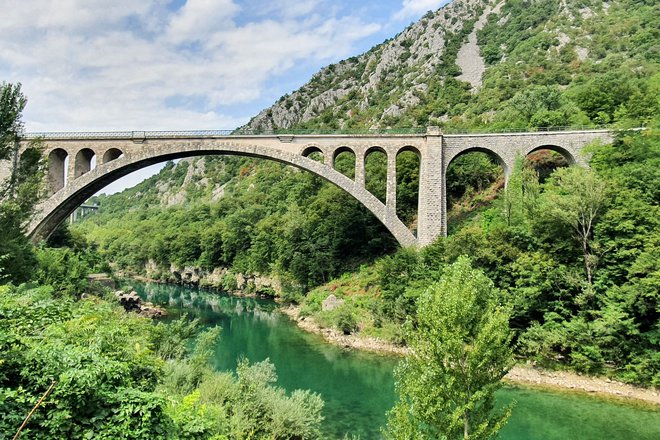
(85,162)
(314,153)
(375,172)
(407,186)
(112,154)
(344,161)
(57,166)
(473,179)
(546,159)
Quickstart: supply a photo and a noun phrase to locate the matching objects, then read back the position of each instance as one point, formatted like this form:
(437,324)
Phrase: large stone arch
(570,158)
(498,154)
(488,151)
(54,210)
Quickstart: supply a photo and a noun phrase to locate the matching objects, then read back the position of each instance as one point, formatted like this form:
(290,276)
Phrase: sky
(102,65)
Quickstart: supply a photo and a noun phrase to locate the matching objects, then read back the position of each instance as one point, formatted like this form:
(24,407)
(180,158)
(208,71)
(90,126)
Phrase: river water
(358,387)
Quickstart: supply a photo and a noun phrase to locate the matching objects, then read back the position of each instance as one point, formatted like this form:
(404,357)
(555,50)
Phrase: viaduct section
(81,164)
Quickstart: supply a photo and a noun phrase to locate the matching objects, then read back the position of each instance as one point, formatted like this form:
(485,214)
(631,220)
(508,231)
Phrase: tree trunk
(11,192)
(466,426)
(585,254)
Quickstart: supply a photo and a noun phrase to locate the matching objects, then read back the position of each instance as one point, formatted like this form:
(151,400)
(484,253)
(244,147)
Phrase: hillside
(494,65)
(472,65)
(255,217)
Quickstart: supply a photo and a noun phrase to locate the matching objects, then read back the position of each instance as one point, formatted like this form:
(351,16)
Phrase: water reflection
(356,387)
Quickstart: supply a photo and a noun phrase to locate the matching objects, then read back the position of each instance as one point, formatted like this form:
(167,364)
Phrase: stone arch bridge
(81,164)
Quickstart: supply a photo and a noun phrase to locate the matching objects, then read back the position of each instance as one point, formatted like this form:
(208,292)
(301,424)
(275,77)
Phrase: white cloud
(198,18)
(28,16)
(412,9)
(100,65)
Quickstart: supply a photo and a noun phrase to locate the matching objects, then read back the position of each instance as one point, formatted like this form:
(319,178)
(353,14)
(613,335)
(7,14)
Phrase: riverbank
(243,291)
(523,374)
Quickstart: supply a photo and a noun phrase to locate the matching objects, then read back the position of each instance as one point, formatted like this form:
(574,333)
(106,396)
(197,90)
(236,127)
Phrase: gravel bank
(520,374)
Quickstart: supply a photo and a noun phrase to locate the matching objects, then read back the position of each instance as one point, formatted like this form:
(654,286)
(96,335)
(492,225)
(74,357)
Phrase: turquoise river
(358,387)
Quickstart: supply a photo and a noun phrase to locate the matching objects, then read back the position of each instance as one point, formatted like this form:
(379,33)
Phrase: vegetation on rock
(549,64)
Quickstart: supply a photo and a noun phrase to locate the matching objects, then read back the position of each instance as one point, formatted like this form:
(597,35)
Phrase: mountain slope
(368,89)
(562,48)
(545,63)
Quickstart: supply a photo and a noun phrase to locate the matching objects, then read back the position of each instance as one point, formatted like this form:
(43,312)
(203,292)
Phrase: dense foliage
(20,189)
(115,375)
(270,219)
(118,376)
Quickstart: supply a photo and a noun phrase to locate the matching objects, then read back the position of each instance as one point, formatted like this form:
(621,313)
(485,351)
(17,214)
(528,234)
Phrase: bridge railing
(527,129)
(160,134)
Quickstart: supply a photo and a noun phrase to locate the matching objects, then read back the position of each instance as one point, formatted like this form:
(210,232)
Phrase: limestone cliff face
(400,67)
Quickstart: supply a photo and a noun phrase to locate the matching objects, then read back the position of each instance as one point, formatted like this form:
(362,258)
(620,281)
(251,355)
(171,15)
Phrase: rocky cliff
(402,66)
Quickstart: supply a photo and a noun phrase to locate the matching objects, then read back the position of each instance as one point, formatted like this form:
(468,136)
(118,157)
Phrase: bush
(104,371)
(228,282)
(345,319)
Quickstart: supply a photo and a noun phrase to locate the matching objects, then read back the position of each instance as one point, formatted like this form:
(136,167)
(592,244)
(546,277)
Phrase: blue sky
(179,64)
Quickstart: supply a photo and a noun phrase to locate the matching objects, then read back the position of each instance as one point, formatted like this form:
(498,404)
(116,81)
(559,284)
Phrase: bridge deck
(82,163)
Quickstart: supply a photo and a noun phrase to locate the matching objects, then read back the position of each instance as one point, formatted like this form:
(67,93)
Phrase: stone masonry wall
(436,151)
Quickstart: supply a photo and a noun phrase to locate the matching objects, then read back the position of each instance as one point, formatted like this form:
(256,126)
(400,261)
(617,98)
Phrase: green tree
(520,198)
(601,96)
(21,185)
(575,198)
(460,352)
(513,194)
